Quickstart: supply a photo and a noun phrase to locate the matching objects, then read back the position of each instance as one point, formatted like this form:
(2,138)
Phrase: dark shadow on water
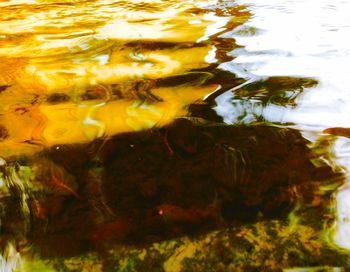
(183,179)
(278,90)
(187,178)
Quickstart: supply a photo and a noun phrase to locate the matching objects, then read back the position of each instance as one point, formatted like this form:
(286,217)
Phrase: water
(305,38)
(136,134)
(284,44)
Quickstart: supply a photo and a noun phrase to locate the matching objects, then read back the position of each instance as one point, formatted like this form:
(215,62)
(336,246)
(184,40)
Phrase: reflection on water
(130,123)
(307,38)
(92,58)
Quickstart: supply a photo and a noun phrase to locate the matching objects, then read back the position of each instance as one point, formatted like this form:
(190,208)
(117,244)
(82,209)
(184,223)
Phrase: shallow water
(137,123)
(306,38)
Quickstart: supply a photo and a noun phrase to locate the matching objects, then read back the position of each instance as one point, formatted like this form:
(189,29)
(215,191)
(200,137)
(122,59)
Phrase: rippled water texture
(174,135)
(307,38)
(66,64)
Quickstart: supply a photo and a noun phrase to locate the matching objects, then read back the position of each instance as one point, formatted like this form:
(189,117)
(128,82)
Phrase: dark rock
(183,179)
(57,98)
(3,133)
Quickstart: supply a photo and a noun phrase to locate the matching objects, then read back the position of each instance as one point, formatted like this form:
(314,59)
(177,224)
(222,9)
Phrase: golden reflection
(65,48)
(46,125)
(124,64)
(34,30)
(75,71)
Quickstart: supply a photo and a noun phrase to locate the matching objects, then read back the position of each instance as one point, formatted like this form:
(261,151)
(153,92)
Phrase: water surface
(171,135)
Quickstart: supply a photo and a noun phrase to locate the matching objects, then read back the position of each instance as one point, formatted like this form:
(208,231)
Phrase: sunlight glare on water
(64,48)
(301,38)
(309,39)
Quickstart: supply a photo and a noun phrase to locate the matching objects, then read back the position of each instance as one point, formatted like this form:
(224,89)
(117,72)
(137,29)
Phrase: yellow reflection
(69,46)
(30,31)
(180,30)
(122,65)
(65,47)
(30,129)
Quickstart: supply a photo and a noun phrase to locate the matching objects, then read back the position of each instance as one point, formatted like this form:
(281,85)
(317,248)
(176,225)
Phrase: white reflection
(218,25)
(10,259)
(308,38)
(342,228)
(342,234)
(300,38)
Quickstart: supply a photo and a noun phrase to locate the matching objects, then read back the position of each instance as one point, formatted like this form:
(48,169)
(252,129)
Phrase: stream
(174,135)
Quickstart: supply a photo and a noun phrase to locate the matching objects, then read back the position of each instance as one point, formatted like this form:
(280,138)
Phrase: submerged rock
(142,187)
